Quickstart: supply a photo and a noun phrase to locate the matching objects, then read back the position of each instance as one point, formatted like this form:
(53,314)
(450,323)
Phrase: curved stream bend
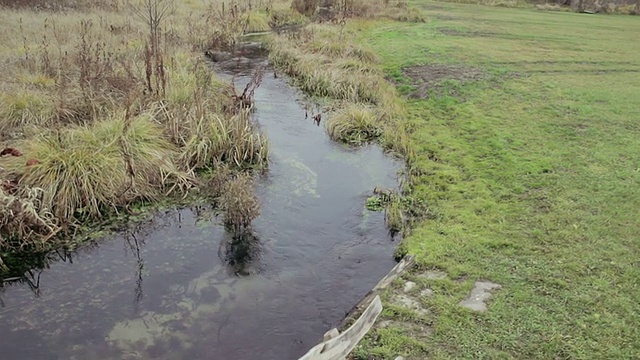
(171,291)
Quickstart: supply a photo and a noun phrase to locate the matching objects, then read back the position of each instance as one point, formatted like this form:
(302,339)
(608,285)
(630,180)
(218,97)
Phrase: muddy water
(177,287)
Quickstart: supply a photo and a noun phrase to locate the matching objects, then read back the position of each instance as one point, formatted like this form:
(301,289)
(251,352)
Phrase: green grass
(353,124)
(532,175)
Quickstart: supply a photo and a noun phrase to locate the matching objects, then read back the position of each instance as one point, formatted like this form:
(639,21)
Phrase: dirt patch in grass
(456,32)
(438,80)
(446,17)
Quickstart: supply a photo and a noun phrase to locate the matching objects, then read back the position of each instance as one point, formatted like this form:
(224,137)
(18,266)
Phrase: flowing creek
(176,288)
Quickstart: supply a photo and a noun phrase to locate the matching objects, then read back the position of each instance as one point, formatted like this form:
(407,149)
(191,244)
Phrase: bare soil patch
(456,32)
(429,79)
(446,17)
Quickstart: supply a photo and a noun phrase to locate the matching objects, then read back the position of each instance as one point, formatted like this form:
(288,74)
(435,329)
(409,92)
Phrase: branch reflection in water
(31,278)
(28,267)
(133,245)
(240,250)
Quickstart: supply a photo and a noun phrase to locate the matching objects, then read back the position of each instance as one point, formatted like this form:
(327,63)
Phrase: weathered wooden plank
(331,334)
(397,270)
(337,348)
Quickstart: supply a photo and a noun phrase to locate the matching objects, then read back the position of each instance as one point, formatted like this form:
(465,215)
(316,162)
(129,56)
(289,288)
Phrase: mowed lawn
(531,173)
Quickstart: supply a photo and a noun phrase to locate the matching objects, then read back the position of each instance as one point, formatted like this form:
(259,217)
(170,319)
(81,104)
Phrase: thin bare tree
(153,13)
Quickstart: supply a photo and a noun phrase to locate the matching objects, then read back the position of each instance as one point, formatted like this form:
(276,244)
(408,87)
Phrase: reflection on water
(239,250)
(181,287)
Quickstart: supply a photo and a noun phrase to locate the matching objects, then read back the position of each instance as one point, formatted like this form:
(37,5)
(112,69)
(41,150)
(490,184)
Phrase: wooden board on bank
(397,270)
(336,345)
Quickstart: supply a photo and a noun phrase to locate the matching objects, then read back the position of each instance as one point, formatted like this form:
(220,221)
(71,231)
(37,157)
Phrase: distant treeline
(629,7)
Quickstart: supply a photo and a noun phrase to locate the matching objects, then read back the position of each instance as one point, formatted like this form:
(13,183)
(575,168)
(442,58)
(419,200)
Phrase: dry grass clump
(239,203)
(85,172)
(305,7)
(281,17)
(357,66)
(340,49)
(319,75)
(25,107)
(24,217)
(404,13)
(324,63)
(230,139)
(354,124)
(394,216)
(82,173)
(321,59)
(257,21)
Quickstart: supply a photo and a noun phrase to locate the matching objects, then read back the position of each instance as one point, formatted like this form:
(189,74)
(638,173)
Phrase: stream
(177,287)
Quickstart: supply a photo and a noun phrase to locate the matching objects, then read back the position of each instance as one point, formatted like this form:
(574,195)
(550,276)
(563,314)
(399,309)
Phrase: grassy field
(527,154)
(521,133)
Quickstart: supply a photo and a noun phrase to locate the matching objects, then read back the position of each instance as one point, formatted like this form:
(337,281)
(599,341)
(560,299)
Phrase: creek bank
(183,287)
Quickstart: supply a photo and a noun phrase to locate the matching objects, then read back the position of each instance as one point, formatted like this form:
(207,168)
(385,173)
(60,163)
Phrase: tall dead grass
(354,124)
(239,203)
(210,139)
(110,108)
(334,10)
(90,171)
(324,62)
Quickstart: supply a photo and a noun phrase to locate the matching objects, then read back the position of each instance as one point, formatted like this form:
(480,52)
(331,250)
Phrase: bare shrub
(154,13)
(305,7)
